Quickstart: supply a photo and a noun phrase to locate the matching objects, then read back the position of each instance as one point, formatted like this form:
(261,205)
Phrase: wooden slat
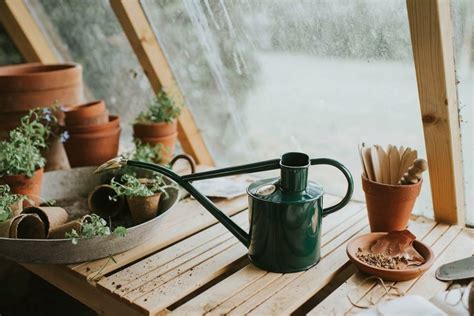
(230,293)
(431,36)
(153,60)
(357,286)
(25,33)
(185,219)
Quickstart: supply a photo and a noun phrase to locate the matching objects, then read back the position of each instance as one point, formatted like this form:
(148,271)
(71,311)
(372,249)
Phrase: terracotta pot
(52,217)
(29,226)
(152,130)
(60,231)
(112,123)
(389,206)
(92,113)
(30,187)
(100,202)
(92,149)
(55,155)
(27,86)
(169,146)
(142,208)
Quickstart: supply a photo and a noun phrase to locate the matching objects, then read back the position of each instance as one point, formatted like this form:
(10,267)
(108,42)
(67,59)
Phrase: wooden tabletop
(192,265)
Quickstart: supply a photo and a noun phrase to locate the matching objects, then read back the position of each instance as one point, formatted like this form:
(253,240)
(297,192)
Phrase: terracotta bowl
(92,113)
(365,241)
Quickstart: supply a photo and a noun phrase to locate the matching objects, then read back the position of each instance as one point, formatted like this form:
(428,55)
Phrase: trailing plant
(146,152)
(7,200)
(20,154)
(129,185)
(160,109)
(92,226)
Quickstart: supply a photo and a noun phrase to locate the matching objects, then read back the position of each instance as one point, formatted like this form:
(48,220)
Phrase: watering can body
(285,213)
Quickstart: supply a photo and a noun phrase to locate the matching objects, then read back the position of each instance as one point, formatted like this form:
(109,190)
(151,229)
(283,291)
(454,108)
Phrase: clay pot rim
(175,121)
(39,170)
(155,195)
(83,129)
(416,243)
(161,138)
(16,71)
(391,185)
(95,135)
(83,110)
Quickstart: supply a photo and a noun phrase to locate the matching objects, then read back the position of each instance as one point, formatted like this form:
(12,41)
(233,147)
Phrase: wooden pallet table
(194,266)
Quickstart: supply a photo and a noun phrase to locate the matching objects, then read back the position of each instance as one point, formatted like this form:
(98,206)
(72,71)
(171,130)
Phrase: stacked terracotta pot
(93,134)
(27,86)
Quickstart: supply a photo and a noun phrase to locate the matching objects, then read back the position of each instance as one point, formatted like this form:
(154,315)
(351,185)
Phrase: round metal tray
(77,183)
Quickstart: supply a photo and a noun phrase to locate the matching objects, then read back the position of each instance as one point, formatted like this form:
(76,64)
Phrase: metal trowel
(456,270)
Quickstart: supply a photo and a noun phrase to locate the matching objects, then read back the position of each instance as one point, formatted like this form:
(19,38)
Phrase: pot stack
(27,86)
(93,134)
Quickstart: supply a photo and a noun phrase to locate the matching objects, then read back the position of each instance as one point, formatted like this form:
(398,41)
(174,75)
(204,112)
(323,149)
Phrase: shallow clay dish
(365,241)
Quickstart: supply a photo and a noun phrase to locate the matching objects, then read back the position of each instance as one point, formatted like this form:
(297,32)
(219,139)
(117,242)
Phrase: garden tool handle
(347,175)
(186,157)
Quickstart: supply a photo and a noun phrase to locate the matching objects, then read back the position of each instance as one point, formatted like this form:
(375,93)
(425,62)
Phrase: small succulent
(92,226)
(160,109)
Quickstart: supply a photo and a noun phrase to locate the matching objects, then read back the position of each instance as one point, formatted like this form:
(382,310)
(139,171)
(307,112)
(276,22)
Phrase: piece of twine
(386,287)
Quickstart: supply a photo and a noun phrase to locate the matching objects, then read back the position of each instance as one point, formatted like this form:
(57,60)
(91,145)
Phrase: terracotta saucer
(365,241)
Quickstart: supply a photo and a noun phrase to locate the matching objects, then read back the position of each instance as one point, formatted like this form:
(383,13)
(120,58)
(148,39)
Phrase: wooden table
(194,266)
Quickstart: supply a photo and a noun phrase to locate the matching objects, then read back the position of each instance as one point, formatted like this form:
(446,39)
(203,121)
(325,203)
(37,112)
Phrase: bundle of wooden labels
(393,166)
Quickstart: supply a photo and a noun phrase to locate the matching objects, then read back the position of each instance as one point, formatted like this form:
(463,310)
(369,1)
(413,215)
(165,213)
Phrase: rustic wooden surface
(194,266)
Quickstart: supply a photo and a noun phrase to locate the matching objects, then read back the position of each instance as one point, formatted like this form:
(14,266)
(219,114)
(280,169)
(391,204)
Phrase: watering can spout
(236,230)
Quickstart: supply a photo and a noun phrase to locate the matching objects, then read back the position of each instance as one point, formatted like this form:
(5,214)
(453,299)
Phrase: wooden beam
(136,26)
(431,36)
(25,33)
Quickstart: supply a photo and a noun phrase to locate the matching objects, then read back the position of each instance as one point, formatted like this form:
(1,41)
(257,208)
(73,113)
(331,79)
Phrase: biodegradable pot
(143,208)
(27,86)
(52,217)
(168,146)
(112,123)
(92,149)
(92,113)
(153,130)
(100,202)
(389,206)
(24,185)
(27,226)
(60,231)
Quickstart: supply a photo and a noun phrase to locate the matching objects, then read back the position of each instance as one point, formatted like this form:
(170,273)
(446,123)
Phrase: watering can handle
(347,175)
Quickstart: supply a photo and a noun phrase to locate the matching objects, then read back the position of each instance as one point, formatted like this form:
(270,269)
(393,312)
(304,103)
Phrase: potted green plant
(10,206)
(158,125)
(143,195)
(93,225)
(146,152)
(21,162)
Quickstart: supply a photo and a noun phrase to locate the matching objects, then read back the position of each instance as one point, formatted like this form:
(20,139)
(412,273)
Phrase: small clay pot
(52,217)
(153,130)
(112,124)
(60,231)
(92,149)
(100,202)
(92,113)
(142,208)
(168,143)
(30,187)
(389,206)
(29,226)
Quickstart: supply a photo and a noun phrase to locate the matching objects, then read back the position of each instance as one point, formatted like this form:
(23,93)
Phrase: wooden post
(152,58)
(25,33)
(431,36)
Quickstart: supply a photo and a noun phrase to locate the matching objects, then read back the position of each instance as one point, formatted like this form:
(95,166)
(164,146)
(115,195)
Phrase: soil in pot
(104,202)
(92,149)
(24,185)
(92,113)
(142,208)
(152,130)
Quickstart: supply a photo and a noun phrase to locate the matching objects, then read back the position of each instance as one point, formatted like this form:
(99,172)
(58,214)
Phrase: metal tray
(76,184)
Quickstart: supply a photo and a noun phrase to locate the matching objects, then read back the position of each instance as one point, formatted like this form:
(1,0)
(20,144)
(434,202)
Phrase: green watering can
(285,213)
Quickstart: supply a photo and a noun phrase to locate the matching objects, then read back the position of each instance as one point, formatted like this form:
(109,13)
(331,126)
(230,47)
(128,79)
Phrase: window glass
(88,32)
(266,77)
(463,21)
(8,52)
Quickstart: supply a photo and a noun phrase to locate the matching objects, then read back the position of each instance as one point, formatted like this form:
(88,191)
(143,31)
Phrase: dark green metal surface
(285,213)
